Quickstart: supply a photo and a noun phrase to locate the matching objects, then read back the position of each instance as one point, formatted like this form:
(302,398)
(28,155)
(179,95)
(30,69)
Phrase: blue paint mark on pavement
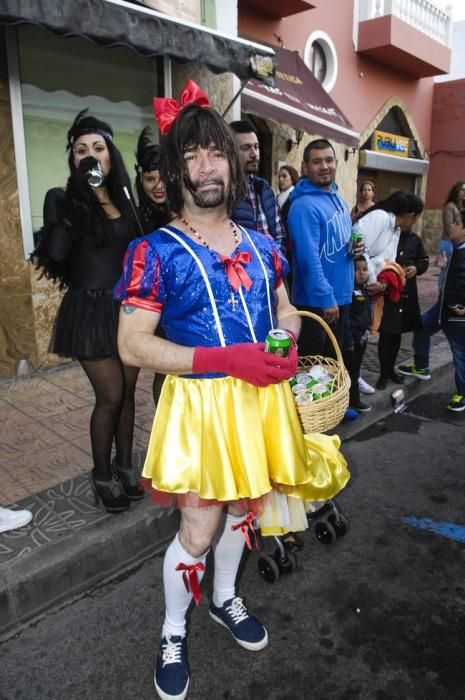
(449,530)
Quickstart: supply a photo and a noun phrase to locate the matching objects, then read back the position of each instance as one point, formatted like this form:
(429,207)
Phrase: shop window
(321,58)
(60,77)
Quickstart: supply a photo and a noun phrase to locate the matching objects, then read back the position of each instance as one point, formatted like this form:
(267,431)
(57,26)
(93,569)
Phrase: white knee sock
(177,598)
(227,556)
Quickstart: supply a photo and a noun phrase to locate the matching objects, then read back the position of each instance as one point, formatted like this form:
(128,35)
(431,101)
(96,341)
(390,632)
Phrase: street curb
(54,577)
(441,362)
(48,579)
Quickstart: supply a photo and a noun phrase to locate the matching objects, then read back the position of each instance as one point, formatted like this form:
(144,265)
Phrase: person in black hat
(87,228)
(151,194)
(154,211)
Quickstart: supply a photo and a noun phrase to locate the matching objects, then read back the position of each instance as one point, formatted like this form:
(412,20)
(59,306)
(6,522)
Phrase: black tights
(388,349)
(114,386)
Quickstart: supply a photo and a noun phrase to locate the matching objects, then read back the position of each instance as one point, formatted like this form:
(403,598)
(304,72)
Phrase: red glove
(293,357)
(247,361)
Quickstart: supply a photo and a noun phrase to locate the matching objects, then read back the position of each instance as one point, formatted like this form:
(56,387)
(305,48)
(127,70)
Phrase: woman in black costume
(154,210)
(87,228)
(151,194)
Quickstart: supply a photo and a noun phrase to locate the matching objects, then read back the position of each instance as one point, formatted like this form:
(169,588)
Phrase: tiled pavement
(45,453)
(45,457)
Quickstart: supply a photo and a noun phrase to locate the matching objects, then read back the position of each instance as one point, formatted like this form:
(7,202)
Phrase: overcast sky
(458,8)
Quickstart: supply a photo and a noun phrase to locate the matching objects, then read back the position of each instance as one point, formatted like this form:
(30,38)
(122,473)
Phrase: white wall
(457,66)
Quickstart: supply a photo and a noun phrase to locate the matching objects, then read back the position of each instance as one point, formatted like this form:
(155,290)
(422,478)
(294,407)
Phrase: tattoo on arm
(129,309)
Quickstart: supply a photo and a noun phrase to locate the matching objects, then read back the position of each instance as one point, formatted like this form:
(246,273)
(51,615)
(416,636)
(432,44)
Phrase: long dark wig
(199,127)
(397,203)
(80,207)
(453,195)
(153,215)
(91,219)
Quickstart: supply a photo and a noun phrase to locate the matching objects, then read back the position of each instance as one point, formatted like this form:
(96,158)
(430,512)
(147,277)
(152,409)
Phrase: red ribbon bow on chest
(167,109)
(237,275)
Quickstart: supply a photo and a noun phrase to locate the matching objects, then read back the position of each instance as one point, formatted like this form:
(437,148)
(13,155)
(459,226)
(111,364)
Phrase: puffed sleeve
(141,284)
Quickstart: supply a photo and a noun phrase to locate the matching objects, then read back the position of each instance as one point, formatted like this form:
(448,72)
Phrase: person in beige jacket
(454,204)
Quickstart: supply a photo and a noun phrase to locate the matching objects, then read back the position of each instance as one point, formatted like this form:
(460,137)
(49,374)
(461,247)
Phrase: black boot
(110,492)
(129,479)
(381,384)
(395,378)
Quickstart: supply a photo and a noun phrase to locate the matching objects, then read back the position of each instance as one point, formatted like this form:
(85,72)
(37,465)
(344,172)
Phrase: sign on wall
(391,144)
(182,9)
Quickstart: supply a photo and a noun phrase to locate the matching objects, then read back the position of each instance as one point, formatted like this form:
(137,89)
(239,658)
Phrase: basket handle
(325,327)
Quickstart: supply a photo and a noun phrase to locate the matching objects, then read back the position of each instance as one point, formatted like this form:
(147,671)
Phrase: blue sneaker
(350,414)
(172,670)
(245,628)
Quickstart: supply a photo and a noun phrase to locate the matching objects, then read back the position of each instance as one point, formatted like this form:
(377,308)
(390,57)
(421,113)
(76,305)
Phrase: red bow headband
(167,109)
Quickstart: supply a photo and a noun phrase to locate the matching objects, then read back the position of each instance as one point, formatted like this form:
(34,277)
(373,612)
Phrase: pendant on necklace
(233,301)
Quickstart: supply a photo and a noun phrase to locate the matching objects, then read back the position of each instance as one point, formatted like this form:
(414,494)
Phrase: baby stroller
(328,522)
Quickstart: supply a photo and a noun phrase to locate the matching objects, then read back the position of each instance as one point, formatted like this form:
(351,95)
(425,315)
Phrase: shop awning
(299,100)
(147,32)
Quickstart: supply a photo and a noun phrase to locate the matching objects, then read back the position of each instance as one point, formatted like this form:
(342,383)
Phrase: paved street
(379,614)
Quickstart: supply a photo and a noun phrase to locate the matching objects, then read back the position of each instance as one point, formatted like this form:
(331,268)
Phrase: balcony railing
(420,14)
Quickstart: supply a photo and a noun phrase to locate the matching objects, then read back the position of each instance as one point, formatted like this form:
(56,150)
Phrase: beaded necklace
(203,241)
(232,300)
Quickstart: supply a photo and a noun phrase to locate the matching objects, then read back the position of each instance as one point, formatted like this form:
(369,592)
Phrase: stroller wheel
(287,563)
(340,524)
(325,532)
(292,560)
(268,568)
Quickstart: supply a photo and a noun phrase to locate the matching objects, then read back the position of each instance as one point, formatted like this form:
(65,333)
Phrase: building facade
(362,75)
(376,59)
(112,57)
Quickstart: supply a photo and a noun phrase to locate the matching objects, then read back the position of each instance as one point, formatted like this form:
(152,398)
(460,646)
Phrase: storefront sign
(391,144)
(182,9)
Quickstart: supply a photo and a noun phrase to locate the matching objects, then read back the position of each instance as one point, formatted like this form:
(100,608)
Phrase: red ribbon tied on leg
(191,582)
(237,275)
(246,525)
(166,109)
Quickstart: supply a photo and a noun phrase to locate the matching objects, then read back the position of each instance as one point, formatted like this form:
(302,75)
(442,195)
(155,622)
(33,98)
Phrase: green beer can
(278,342)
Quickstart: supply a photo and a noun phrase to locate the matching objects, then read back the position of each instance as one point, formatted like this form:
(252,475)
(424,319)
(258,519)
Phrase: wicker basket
(325,413)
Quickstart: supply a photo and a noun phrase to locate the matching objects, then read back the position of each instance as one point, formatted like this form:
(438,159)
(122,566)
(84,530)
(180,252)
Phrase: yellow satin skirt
(224,440)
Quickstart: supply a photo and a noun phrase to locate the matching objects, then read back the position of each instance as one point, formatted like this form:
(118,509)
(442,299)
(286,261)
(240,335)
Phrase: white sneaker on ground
(364,387)
(12,519)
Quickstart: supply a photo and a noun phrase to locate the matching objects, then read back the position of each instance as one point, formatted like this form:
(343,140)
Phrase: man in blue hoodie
(323,269)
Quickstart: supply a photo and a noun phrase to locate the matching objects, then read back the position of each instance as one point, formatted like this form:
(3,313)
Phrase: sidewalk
(45,457)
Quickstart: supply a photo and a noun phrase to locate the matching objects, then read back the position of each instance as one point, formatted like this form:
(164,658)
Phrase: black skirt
(86,325)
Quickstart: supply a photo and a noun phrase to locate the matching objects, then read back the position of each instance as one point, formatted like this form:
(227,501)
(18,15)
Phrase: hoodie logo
(337,235)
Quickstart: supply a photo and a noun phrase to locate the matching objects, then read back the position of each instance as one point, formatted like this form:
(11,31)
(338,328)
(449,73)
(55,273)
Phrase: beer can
(320,374)
(311,383)
(303,377)
(95,176)
(319,388)
(399,405)
(354,240)
(299,389)
(302,399)
(278,342)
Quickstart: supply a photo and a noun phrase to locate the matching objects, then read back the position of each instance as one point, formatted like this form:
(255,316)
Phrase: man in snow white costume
(226,434)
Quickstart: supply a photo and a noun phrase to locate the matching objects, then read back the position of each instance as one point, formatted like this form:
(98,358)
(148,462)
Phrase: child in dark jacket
(447,314)
(357,332)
